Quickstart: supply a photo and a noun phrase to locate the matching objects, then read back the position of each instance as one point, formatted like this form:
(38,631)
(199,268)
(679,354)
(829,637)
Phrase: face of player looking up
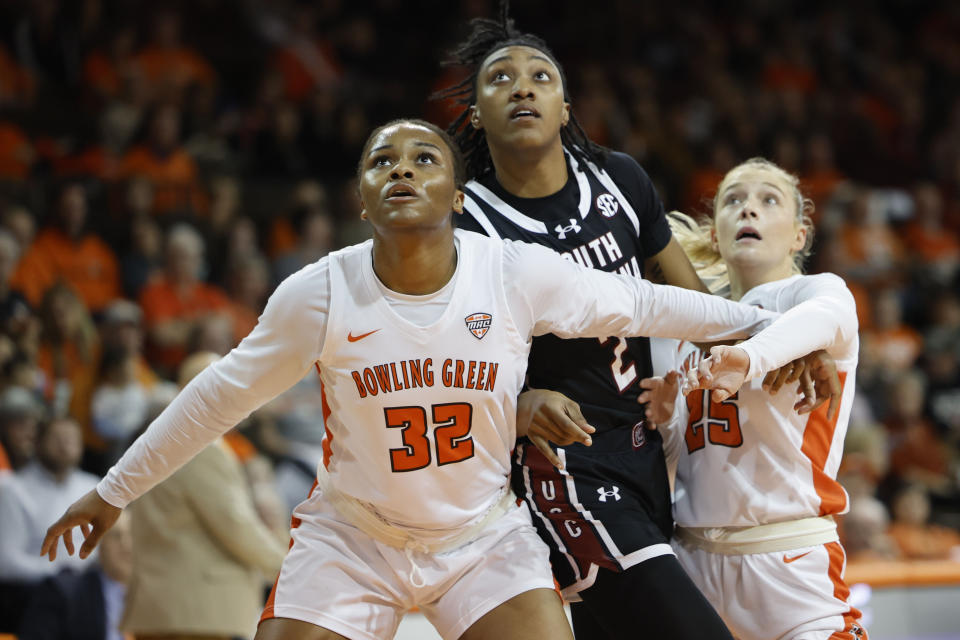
(520,101)
(407,180)
(408,189)
(757,229)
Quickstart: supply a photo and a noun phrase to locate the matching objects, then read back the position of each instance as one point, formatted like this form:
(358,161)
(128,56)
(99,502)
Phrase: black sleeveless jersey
(606,218)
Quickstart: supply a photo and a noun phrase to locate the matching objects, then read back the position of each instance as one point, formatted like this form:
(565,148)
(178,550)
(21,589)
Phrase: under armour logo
(604,494)
(562,231)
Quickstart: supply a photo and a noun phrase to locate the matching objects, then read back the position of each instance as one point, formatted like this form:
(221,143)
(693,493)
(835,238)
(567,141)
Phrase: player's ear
(475,117)
(565,114)
(363,211)
(458,197)
(800,240)
(713,239)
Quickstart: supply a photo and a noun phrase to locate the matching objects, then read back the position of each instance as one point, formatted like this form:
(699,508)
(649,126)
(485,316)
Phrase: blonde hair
(802,205)
(694,238)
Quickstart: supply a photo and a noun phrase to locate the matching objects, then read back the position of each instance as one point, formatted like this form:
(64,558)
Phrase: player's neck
(413,263)
(743,278)
(531,173)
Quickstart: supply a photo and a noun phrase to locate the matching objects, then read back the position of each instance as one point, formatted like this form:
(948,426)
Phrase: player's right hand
(92,514)
(549,416)
(724,371)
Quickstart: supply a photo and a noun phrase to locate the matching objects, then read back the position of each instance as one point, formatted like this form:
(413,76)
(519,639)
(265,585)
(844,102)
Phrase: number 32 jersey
(606,218)
(420,415)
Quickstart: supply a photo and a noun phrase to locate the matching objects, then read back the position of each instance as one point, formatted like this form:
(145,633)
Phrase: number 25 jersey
(752,459)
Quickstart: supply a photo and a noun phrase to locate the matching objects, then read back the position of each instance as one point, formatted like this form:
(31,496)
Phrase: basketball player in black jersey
(535,176)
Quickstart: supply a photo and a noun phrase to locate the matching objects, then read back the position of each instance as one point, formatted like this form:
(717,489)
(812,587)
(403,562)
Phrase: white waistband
(365,518)
(764,538)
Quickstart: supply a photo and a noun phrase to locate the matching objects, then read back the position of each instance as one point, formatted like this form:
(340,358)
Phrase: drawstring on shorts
(416,576)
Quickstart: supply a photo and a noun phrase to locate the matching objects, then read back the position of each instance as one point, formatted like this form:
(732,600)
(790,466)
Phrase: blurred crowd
(163,165)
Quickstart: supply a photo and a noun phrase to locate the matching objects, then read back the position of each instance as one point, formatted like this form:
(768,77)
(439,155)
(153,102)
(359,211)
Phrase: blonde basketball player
(756,489)
(420,337)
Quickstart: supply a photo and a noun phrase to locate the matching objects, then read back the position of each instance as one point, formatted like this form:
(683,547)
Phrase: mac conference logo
(478,324)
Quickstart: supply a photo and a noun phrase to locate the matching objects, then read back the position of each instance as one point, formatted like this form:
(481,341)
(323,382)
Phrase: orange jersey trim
(327,433)
(817,439)
(851,628)
(268,607)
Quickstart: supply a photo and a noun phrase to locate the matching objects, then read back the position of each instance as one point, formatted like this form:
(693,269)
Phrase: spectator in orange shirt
(16,83)
(66,251)
(897,344)
(915,535)
(68,344)
(869,251)
(918,455)
(170,66)
(306,60)
(933,246)
(104,70)
(16,152)
(174,303)
(165,162)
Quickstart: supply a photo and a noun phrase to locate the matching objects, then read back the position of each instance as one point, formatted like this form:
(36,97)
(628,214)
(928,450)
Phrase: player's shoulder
(818,282)
(478,242)
(625,170)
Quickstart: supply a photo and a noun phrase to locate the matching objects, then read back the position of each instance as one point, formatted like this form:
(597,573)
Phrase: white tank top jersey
(753,459)
(420,414)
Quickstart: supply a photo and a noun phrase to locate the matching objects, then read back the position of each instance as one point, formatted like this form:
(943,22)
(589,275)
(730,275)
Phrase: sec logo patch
(639,435)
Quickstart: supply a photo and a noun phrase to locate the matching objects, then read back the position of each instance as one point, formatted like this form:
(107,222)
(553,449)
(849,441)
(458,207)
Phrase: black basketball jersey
(607,218)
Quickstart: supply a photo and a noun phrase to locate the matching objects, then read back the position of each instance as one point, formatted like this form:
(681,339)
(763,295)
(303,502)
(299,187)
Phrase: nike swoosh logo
(353,338)
(794,558)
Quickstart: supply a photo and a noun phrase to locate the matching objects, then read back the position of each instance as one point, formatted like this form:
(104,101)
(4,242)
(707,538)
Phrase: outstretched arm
(557,296)
(270,360)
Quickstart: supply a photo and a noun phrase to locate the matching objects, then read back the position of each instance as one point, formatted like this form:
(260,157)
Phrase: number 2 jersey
(752,459)
(419,391)
(606,218)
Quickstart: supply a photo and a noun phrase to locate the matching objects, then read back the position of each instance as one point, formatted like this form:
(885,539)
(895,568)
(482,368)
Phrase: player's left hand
(92,514)
(819,383)
(546,416)
(787,374)
(724,371)
(660,394)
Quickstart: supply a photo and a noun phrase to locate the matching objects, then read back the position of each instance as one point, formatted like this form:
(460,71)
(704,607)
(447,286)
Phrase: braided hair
(487,36)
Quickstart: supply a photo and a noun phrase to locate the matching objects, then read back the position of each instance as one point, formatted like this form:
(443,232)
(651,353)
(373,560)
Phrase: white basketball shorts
(339,578)
(793,595)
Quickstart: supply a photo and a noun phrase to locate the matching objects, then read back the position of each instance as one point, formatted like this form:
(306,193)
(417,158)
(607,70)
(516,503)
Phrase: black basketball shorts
(608,508)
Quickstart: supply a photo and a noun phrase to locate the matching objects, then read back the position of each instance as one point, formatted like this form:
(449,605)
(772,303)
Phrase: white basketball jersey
(418,411)
(752,459)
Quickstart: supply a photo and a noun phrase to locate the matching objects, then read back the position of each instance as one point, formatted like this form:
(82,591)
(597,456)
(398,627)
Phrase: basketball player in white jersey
(421,337)
(756,488)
